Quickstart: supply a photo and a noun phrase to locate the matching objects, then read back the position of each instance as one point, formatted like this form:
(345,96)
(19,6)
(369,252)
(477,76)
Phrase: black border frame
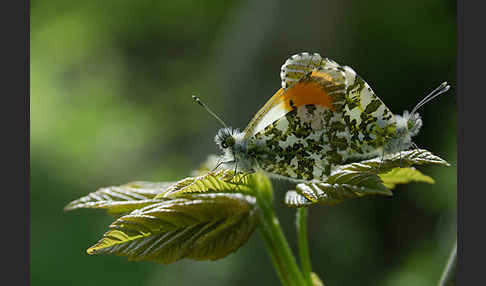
(470,196)
(15,23)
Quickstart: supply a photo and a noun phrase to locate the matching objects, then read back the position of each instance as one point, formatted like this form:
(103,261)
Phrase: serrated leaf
(402,159)
(121,199)
(331,194)
(403,176)
(222,181)
(364,178)
(199,227)
(296,200)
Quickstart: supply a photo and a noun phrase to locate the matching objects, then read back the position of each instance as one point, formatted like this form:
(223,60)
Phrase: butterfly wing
(296,92)
(324,115)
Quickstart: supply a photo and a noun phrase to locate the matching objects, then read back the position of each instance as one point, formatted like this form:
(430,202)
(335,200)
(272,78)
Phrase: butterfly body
(324,116)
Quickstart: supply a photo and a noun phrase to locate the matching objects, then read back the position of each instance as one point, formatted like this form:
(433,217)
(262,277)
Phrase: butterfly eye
(228,142)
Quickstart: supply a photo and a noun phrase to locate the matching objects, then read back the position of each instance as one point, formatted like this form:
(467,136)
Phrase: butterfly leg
(400,159)
(415,146)
(218,164)
(236,168)
(382,158)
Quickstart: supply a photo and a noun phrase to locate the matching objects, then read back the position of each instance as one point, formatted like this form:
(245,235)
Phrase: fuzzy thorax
(408,125)
(234,145)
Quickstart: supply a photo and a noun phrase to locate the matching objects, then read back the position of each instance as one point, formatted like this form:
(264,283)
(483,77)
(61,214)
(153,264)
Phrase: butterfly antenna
(199,101)
(436,92)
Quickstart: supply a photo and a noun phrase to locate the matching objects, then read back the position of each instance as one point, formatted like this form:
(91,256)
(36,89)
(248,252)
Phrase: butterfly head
(413,121)
(225,138)
(232,143)
(407,126)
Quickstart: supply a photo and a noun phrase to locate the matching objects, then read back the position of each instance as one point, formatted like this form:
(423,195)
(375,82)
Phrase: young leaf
(199,227)
(367,177)
(404,176)
(296,200)
(398,160)
(334,193)
(121,199)
(212,182)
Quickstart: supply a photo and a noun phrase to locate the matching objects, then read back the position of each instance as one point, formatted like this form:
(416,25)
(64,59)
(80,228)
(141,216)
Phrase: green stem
(305,263)
(275,241)
(449,275)
(277,261)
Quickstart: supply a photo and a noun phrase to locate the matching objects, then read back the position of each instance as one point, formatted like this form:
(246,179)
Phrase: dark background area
(111,86)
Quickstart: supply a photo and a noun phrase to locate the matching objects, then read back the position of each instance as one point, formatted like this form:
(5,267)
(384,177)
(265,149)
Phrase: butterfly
(323,116)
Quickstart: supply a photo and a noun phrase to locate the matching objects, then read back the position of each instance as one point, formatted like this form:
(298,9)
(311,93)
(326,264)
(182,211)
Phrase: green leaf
(201,218)
(121,199)
(200,227)
(403,176)
(333,193)
(211,182)
(296,200)
(368,177)
(402,159)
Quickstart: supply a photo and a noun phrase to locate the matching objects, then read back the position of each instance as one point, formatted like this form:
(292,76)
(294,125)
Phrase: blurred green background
(111,86)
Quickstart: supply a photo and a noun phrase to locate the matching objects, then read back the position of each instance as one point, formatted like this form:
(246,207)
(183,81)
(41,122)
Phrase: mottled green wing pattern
(308,141)
(299,65)
(298,69)
(368,118)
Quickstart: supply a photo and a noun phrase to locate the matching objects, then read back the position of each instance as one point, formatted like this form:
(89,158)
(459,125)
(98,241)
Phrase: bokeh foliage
(110,103)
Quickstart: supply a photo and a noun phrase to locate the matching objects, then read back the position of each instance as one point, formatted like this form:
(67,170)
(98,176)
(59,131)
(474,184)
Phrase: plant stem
(449,275)
(275,241)
(305,263)
(277,261)
(280,248)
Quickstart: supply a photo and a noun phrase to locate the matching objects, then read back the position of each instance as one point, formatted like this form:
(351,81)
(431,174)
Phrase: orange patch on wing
(301,93)
(306,92)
